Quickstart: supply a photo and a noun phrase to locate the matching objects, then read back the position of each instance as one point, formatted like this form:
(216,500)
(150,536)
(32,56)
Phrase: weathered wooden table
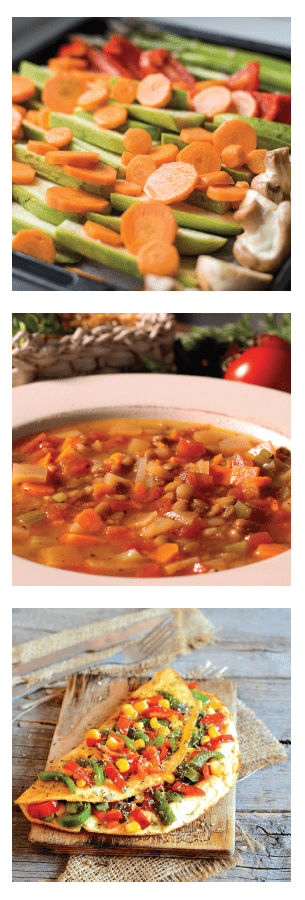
(254,645)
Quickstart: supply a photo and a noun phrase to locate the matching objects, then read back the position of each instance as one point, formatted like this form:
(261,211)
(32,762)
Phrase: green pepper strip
(159,740)
(163,808)
(58,776)
(70,821)
(101,806)
(138,735)
(174,702)
(189,772)
(200,759)
(199,696)
(173,797)
(98,770)
(173,739)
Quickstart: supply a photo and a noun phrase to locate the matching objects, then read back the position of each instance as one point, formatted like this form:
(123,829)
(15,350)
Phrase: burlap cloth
(258,747)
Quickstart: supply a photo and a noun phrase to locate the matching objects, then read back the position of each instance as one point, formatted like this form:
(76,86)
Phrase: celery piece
(241,510)
(31,518)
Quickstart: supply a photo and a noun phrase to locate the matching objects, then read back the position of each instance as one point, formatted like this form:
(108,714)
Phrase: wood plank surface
(254,645)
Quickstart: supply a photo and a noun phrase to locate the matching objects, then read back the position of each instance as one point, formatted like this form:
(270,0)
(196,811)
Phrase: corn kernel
(122,765)
(140,726)
(94,734)
(214,703)
(170,778)
(164,702)
(164,730)
(204,740)
(175,720)
(112,743)
(141,706)
(129,711)
(80,782)
(132,827)
(215,767)
(154,724)
(139,744)
(213,732)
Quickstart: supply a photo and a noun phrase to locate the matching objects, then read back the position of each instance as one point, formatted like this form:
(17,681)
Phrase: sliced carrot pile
(139,169)
(212,101)
(234,156)
(202,156)
(146,221)
(95,98)
(235,131)
(137,140)
(229,194)
(22,88)
(164,153)
(214,178)
(39,147)
(158,258)
(16,122)
(127,188)
(102,174)
(124,90)
(256,161)
(172,183)
(61,92)
(74,200)
(59,137)
(127,157)
(244,104)
(101,233)
(154,91)
(189,135)
(22,173)
(111,116)
(78,158)
(34,242)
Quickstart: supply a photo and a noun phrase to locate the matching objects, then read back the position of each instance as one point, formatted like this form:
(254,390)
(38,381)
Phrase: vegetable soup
(149,498)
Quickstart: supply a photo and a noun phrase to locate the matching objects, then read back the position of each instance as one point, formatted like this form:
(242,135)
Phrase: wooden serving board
(88,701)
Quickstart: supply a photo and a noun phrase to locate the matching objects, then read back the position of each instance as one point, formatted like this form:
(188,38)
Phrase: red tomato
(41,810)
(268,365)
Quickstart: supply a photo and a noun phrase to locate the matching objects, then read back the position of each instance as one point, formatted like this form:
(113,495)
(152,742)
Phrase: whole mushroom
(275,182)
(218,275)
(266,240)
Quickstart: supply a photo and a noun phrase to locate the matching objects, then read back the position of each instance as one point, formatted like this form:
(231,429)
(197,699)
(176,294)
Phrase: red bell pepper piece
(284,110)
(75,48)
(206,771)
(109,818)
(123,724)
(246,79)
(268,105)
(110,65)
(190,790)
(115,776)
(72,768)
(214,742)
(217,719)
(178,72)
(193,685)
(139,817)
(128,54)
(42,810)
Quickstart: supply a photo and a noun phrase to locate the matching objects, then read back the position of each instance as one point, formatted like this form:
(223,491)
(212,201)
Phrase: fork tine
(155,635)
(153,641)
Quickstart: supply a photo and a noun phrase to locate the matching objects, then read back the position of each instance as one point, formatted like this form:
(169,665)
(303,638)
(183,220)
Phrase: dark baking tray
(31,274)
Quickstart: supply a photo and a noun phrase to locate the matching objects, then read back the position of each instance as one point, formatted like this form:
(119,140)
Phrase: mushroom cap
(218,275)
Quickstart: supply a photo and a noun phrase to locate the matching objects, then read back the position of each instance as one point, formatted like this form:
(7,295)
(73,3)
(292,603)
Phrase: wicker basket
(108,348)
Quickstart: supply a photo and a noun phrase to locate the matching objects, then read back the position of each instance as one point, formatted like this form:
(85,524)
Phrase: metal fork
(149,644)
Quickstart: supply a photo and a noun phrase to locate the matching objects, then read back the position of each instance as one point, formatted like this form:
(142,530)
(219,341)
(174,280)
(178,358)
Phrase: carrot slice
(59,137)
(124,90)
(102,174)
(234,156)
(164,153)
(22,88)
(95,98)
(127,157)
(154,91)
(229,194)
(34,242)
(139,169)
(215,179)
(74,200)
(172,183)
(44,118)
(39,147)
(244,104)
(90,520)
(137,140)
(158,258)
(61,92)
(166,552)
(202,156)
(189,135)
(103,234)
(266,551)
(111,116)
(202,86)
(245,186)
(21,109)
(235,131)
(16,122)
(127,188)
(32,116)
(82,158)
(146,221)
(66,63)
(256,161)
(22,173)
(212,101)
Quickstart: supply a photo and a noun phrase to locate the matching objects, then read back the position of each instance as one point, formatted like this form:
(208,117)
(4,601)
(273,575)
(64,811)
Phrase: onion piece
(28,472)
